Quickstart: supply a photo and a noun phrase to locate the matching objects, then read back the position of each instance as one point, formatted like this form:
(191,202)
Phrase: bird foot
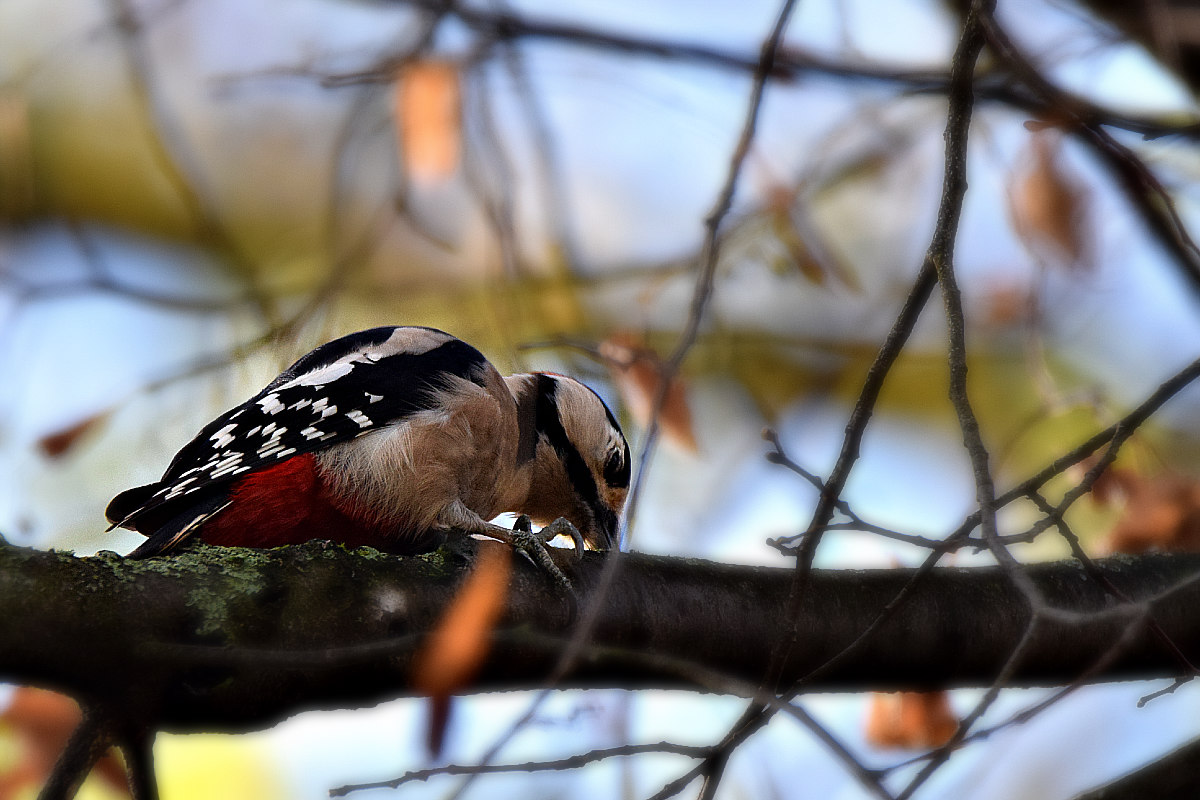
(535,545)
(560,527)
(522,537)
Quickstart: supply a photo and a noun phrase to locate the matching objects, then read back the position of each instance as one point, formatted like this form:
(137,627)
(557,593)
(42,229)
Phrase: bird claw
(560,527)
(535,545)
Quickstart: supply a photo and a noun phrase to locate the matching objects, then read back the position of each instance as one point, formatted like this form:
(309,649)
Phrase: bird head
(578,455)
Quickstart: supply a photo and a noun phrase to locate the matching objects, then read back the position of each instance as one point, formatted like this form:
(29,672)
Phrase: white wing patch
(326,374)
(270,404)
(223,437)
(406,341)
(258,440)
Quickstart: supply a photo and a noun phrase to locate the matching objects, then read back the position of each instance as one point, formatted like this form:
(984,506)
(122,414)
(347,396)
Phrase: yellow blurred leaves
(17,186)
(188,767)
(427,108)
(204,766)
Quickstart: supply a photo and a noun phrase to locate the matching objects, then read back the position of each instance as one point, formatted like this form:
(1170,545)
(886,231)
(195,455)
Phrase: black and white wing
(340,390)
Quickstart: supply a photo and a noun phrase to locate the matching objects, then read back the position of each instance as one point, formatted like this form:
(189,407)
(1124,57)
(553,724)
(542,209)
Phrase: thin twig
(87,744)
(960,103)
(855,522)
(941,253)
(943,753)
(493,193)
(177,160)
(1137,617)
(1094,572)
(558,764)
(1152,696)
(555,197)
(1145,193)
(139,766)
(869,779)
(712,768)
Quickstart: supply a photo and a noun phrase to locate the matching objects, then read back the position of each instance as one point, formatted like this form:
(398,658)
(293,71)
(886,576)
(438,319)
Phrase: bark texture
(232,639)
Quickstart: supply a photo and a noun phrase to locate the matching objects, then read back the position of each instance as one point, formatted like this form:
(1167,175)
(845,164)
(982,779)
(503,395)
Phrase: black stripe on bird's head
(575,425)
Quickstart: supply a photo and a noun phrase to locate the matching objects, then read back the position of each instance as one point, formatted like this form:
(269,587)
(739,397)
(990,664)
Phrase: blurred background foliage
(194,194)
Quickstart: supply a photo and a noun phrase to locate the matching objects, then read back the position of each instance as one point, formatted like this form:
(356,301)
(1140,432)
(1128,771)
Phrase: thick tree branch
(231,639)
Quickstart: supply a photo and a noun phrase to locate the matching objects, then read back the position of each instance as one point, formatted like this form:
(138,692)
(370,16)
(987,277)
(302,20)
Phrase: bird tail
(179,528)
(124,507)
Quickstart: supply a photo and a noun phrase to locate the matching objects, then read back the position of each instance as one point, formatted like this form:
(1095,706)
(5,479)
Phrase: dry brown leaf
(18,190)
(1160,513)
(793,228)
(59,443)
(1008,303)
(456,648)
(428,118)
(1048,205)
(637,371)
(43,721)
(1110,486)
(910,720)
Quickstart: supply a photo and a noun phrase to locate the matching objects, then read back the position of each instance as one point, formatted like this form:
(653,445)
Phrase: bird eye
(616,469)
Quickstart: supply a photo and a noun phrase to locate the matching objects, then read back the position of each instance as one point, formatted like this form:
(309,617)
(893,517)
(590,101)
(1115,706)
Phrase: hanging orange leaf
(43,721)
(1160,513)
(1048,205)
(428,117)
(59,443)
(637,371)
(910,720)
(456,648)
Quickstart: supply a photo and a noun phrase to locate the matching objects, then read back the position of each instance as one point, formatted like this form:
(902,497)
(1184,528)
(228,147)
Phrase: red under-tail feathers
(286,504)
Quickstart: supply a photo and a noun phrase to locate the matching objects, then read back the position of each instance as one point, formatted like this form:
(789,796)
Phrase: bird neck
(524,389)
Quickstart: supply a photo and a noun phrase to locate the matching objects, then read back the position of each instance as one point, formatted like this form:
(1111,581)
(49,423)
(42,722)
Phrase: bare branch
(558,764)
(1145,193)
(173,151)
(88,743)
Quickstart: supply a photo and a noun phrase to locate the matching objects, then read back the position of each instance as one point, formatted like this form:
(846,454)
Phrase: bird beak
(606,532)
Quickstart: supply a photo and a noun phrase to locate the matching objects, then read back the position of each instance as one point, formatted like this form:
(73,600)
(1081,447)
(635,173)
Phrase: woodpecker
(390,437)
